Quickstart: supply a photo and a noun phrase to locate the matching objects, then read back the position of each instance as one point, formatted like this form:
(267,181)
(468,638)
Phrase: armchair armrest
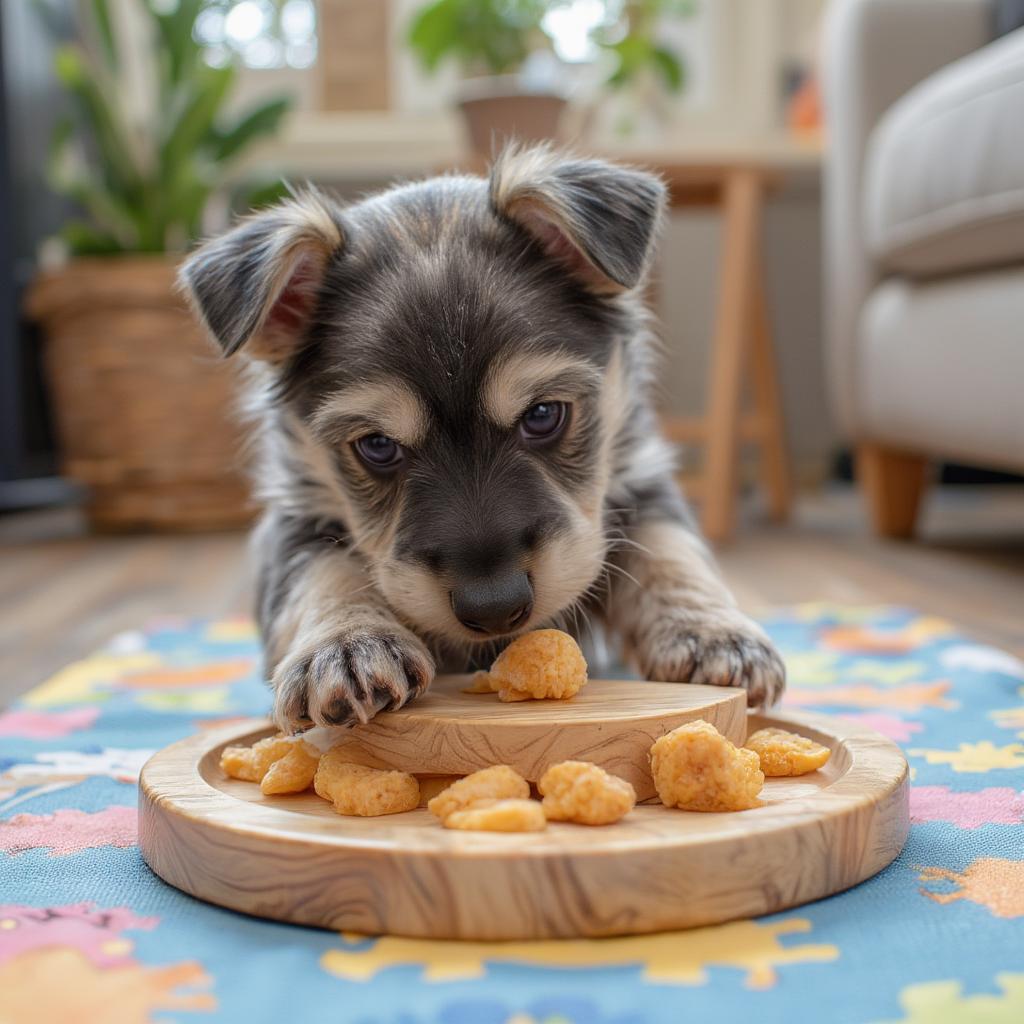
(874,52)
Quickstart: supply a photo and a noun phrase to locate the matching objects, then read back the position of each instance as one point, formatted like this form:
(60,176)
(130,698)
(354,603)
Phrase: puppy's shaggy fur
(451,384)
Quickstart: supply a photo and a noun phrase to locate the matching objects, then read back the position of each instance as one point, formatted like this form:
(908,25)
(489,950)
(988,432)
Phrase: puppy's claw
(735,652)
(350,676)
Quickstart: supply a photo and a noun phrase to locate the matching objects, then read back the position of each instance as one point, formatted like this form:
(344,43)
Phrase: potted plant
(143,412)
(491,41)
(495,41)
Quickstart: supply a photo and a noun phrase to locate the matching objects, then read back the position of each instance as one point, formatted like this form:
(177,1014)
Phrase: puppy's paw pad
(719,654)
(350,676)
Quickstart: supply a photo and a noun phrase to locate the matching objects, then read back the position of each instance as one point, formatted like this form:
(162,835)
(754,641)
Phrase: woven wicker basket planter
(144,408)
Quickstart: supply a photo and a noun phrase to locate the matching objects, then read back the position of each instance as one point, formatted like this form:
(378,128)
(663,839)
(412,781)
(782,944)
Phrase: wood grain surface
(610,722)
(291,858)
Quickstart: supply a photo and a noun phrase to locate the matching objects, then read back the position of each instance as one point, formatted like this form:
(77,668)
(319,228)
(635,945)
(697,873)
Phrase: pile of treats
(694,767)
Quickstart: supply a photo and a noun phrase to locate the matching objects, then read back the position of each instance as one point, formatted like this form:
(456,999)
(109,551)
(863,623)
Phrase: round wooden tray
(292,858)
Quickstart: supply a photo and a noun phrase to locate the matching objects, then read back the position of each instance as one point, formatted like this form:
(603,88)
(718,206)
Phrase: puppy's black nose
(495,605)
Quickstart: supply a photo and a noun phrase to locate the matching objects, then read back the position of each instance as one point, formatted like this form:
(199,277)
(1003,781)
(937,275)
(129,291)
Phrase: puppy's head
(450,372)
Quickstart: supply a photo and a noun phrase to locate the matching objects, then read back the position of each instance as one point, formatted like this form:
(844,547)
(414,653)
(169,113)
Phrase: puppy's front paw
(725,651)
(350,675)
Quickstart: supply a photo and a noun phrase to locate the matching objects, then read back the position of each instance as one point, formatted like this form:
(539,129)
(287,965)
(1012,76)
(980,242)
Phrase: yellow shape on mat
(1009,718)
(88,680)
(812,668)
(194,701)
(943,1002)
(975,757)
(231,631)
(886,673)
(668,958)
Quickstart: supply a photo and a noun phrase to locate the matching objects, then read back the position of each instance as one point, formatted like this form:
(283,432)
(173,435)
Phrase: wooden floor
(63,593)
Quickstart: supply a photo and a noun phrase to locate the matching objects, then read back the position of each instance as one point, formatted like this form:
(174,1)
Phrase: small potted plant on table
(491,41)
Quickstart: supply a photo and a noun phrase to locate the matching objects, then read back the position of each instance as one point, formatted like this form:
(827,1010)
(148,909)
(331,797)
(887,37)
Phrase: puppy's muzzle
(494,605)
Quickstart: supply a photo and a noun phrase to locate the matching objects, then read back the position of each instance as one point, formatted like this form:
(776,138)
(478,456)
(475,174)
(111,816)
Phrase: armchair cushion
(944,187)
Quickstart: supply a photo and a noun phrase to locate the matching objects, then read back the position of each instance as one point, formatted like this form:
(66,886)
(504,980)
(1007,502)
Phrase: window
(262,34)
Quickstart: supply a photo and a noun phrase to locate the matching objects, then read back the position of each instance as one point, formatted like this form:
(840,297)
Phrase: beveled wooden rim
(861,786)
(850,829)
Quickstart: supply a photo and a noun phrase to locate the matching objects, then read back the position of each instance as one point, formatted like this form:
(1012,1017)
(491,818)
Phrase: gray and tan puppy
(450,383)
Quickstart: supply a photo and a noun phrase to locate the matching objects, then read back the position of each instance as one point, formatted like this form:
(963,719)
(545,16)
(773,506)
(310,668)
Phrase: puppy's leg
(334,651)
(679,620)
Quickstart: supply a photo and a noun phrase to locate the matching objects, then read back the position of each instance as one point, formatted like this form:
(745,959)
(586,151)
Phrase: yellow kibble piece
(584,793)
(253,764)
(498,782)
(499,816)
(783,753)
(542,665)
(696,768)
(354,789)
(292,773)
(238,763)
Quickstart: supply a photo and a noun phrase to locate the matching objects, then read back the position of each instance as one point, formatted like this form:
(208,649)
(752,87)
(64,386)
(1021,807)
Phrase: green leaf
(105,30)
(85,240)
(263,120)
(668,66)
(495,34)
(195,122)
(434,31)
(100,115)
(174,27)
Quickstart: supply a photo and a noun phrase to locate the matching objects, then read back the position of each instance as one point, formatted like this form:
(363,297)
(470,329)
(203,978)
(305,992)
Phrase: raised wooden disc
(292,858)
(610,722)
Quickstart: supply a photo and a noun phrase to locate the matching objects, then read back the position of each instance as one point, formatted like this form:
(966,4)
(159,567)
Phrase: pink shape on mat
(994,806)
(79,925)
(44,725)
(70,830)
(897,729)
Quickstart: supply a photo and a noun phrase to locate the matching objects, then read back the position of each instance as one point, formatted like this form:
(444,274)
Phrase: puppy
(451,389)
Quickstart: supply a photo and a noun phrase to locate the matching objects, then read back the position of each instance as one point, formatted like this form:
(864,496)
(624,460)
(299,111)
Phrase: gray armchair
(924,241)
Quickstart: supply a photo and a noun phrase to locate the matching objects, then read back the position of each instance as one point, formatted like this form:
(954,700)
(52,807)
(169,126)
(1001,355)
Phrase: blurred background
(841,281)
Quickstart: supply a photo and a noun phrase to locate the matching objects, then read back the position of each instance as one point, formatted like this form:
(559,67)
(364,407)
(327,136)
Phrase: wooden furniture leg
(764,378)
(893,483)
(741,223)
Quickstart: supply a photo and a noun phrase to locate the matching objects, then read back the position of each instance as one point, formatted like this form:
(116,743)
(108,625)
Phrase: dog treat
(786,753)
(238,763)
(696,768)
(292,773)
(545,664)
(366,792)
(584,793)
(496,783)
(280,764)
(499,816)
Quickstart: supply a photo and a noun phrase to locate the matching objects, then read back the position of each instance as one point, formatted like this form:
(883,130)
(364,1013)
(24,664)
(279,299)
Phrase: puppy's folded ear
(597,219)
(256,285)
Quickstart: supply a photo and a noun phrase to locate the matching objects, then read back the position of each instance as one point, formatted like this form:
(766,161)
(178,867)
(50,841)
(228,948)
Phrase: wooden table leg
(734,317)
(764,378)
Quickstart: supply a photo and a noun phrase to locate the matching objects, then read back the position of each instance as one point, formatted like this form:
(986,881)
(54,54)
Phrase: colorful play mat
(89,934)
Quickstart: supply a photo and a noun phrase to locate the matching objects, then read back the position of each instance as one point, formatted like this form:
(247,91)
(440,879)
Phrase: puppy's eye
(544,421)
(379,452)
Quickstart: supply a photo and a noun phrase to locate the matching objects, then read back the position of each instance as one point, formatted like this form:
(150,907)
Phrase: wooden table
(742,354)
